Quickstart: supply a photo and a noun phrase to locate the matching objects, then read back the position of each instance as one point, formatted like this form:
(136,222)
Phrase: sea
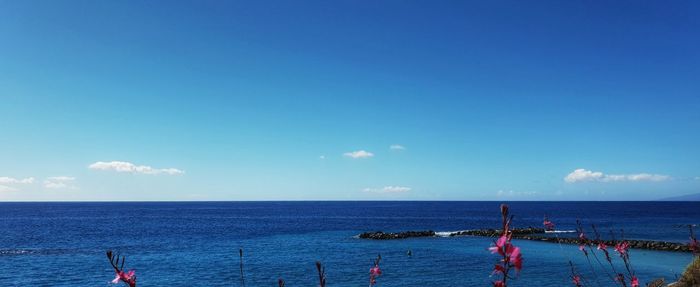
(198,243)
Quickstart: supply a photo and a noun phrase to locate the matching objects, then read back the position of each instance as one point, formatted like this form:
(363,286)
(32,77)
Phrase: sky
(349,100)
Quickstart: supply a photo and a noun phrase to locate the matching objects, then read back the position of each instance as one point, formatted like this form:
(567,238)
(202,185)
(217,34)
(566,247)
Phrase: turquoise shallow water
(196,244)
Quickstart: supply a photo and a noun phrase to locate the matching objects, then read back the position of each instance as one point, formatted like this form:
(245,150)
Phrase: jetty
(530,233)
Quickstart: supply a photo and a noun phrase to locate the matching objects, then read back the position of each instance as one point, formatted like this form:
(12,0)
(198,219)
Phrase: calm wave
(196,243)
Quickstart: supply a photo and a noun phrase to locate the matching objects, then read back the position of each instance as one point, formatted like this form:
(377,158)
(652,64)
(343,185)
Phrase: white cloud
(322,157)
(11,180)
(359,154)
(583,175)
(390,189)
(6,183)
(396,147)
(60,182)
(122,166)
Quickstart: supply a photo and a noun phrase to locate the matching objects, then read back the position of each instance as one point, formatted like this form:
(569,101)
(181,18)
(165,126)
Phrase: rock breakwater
(530,233)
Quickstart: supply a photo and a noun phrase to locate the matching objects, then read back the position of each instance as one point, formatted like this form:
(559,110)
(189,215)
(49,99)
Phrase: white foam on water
(559,231)
(14,251)
(447,233)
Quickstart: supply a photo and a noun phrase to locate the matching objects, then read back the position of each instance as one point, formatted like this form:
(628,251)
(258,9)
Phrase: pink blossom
(577,280)
(127,277)
(510,254)
(622,247)
(501,241)
(634,282)
(548,225)
(498,269)
(602,246)
(582,247)
(516,258)
(375,272)
(498,247)
(694,246)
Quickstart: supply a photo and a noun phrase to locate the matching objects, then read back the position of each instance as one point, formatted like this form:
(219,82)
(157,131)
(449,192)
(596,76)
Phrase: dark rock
(400,235)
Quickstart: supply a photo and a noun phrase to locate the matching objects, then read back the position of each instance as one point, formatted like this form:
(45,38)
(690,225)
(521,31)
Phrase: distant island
(687,197)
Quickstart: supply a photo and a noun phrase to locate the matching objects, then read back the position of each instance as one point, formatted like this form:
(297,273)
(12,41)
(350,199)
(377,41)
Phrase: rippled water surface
(196,243)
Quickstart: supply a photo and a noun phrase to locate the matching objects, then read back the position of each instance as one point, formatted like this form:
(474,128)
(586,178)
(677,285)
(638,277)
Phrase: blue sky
(294,100)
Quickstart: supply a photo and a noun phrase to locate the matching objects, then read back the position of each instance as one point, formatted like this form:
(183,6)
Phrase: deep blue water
(196,243)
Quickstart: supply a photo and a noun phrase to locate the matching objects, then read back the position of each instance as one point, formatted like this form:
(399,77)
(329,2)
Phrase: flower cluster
(129,278)
(375,272)
(622,249)
(582,239)
(602,246)
(575,277)
(510,254)
(548,225)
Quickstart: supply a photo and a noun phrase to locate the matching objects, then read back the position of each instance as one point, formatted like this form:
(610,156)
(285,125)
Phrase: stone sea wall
(534,234)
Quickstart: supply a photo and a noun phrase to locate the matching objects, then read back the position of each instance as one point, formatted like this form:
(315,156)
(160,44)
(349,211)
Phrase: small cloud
(388,189)
(122,166)
(322,157)
(583,175)
(396,147)
(12,180)
(60,182)
(7,183)
(359,154)
(501,192)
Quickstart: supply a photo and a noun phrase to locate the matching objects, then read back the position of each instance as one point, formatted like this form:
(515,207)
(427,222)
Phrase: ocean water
(196,243)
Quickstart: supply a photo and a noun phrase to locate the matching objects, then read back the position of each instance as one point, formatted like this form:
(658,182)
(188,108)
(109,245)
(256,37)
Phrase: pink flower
(499,269)
(577,280)
(582,247)
(375,271)
(548,225)
(634,282)
(602,246)
(622,247)
(501,241)
(498,247)
(127,277)
(516,258)
(510,254)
